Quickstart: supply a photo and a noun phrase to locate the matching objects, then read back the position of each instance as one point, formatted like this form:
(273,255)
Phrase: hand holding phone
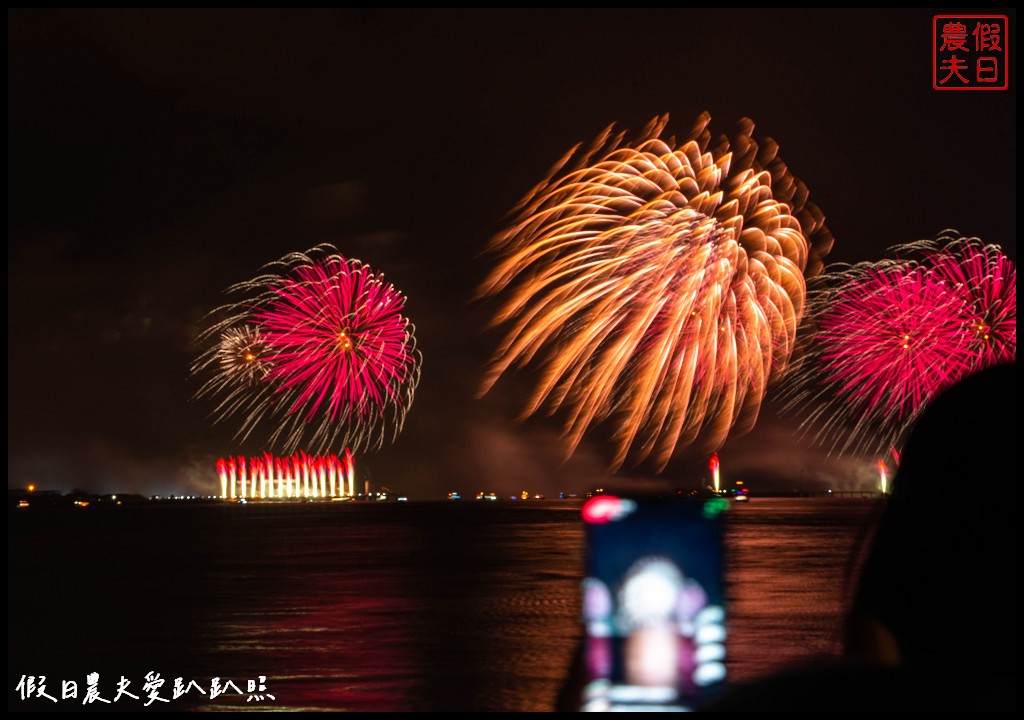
(653,603)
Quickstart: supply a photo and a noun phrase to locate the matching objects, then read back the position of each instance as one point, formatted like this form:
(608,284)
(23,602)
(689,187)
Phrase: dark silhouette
(933,623)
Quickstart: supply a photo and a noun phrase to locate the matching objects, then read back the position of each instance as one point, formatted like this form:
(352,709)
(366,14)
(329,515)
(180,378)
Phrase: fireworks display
(298,476)
(316,354)
(888,336)
(243,356)
(714,465)
(657,286)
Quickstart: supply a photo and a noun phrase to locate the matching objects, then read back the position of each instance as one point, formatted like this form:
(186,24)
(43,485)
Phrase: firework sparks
(714,466)
(298,476)
(657,286)
(243,356)
(889,336)
(317,354)
(988,281)
(236,366)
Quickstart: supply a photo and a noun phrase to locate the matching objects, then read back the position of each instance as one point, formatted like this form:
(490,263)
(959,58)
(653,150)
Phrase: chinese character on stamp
(969,52)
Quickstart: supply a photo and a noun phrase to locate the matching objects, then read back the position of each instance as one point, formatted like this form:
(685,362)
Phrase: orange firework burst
(658,285)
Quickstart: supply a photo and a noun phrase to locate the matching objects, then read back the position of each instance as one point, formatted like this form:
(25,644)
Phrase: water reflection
(415,606)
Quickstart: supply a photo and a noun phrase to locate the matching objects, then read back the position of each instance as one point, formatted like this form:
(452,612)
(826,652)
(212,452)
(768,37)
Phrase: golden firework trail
(656,285)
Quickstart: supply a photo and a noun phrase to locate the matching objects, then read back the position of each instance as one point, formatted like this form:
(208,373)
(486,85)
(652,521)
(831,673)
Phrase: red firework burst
(892,339)
(987,279)
(340,358)
(339,340)
(889,336)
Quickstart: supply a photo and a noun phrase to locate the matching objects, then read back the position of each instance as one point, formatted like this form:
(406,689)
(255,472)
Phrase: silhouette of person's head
(938,589)
(932,627)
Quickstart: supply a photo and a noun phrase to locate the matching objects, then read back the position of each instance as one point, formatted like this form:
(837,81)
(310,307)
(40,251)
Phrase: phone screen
(653,603)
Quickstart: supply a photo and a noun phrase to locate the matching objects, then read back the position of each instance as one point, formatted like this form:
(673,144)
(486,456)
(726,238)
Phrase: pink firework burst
(988,281)
(892,339)
(340,356)
(889,336)
(339,340)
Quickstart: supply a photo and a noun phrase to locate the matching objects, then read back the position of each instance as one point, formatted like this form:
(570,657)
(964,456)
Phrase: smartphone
(653,603)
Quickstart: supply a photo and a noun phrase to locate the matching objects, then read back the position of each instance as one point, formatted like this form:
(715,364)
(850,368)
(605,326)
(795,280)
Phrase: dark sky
(156,157)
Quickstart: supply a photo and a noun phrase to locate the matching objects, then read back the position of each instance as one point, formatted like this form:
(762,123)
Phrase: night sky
(155,158)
